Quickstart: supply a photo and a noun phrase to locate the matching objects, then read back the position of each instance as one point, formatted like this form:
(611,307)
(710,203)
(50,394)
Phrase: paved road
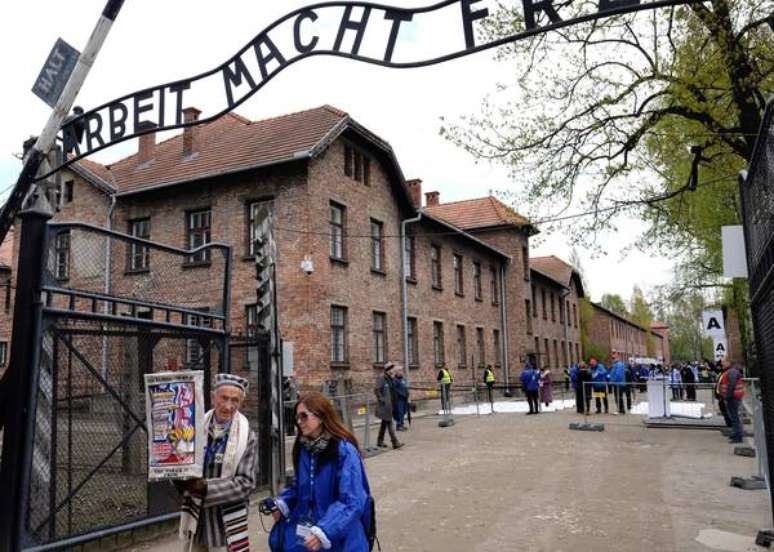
(528,483)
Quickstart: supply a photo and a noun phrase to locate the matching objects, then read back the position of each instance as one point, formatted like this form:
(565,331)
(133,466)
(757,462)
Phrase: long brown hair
(319,405)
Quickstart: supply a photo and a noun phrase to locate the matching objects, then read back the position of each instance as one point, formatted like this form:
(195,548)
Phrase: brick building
(339,200)
(552,312)
(617,334)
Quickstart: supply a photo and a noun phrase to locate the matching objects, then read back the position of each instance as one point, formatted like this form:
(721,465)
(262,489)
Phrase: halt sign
(56,72)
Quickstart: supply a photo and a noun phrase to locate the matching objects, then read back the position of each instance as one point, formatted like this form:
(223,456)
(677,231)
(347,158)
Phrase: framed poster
(174,405)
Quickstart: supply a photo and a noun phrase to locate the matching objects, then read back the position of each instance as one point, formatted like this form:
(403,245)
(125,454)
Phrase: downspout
(404,288)
(504,330)
(108,252)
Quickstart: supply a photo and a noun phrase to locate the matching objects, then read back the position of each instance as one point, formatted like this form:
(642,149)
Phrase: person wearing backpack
(731,388)
(328,506)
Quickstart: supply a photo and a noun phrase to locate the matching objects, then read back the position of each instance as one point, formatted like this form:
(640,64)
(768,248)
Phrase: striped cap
(231,379)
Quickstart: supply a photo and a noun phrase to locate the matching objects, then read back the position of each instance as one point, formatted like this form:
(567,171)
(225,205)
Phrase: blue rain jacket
(530,379)
(574,376)
(599,377)
(331,493)
(618,372)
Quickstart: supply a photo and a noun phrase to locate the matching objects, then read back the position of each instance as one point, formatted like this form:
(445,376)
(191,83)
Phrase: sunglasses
(303,416)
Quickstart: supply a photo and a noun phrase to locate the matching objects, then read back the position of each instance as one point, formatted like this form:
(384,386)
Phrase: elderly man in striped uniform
(214,508)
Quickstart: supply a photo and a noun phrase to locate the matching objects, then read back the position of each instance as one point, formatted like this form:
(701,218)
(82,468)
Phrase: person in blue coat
(599,380)
(530,383)
(618,379)
(323,508)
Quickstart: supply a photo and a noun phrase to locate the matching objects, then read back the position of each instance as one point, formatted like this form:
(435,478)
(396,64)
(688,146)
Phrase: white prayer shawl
(235,518)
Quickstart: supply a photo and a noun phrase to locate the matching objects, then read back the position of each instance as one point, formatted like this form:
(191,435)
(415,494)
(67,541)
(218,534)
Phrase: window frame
(412,329)
(459,278)
(436,266)
(136,250)
(497,346)
(481,346)
(377,246)
(410,258)
(528,307)
(337,238)
(202,258)
(439,354)
(462,347)
(495,284)
(478,288)
(379,335)
(344,329)
(62,255)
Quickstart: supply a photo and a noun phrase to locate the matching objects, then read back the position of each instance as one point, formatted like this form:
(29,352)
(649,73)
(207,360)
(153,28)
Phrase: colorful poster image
(174,403)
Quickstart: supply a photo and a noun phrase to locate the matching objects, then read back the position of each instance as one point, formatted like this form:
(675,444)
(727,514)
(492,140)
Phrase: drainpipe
(108,251)
(504,332)
(404,288)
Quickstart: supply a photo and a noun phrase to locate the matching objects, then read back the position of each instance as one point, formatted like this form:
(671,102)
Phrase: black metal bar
(129,302)
(133,239)
(69,434)
(123,320)
(22,377)
(96,535)
(54,437)
(103,381)
(225,356)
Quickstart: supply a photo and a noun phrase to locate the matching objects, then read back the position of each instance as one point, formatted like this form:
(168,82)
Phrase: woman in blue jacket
(600,379)
(323,508)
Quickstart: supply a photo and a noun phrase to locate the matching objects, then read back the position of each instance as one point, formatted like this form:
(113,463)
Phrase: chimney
(190,134)
(415,191)
(432,199)
(146,147)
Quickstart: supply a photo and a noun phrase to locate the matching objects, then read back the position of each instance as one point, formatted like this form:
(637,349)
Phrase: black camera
(267,506)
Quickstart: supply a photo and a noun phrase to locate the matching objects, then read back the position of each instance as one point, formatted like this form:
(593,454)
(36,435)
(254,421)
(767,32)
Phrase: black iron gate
(757,192)
(111,308)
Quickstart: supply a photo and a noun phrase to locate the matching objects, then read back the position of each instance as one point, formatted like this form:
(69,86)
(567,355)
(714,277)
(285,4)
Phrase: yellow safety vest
(446,377)
(490,377)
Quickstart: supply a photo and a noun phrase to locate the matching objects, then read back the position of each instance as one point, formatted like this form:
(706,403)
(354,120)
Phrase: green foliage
(683,316)
(614,302)
(597,351)
(642,315)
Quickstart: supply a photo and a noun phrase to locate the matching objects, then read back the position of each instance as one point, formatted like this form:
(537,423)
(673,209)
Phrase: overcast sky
(156,41)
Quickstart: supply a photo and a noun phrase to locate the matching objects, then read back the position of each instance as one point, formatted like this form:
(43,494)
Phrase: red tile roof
(229,144)
(557,270)
(471,214)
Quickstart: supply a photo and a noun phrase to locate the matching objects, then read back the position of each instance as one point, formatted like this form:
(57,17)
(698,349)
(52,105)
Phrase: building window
(458,283)
(337,221)
(525,261)
(534,302)
(438,350)
(377,246)
(548,353)
(564,354)
(553,308)
(68,191)
(494,285)
(380,338)
(537,352)
(435,266)
(139,255)
(567,310)
(480,345)
(194,352)
(561,311)
(477,280)
(543,301)
(3,353)
(462,353)
(410,260)
(366,171)
(556,352)
(251,320)
(528,308)
(257,211)
(498,354)
(358,166)
(199,225)
(338,334)
(347,160)
(413,342)
(62,255)
(577,352)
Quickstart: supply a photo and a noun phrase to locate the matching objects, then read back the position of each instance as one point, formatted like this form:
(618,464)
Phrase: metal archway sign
(362,31)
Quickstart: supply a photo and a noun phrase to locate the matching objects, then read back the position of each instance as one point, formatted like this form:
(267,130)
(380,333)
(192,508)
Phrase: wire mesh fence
(757,192)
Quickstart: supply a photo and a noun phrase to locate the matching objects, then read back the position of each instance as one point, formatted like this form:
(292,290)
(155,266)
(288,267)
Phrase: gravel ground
(528,483)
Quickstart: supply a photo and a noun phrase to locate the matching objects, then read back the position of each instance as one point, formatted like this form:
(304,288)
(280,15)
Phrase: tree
(686,339)
(615,303)
(642,315)
(592,98)
(590,348)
